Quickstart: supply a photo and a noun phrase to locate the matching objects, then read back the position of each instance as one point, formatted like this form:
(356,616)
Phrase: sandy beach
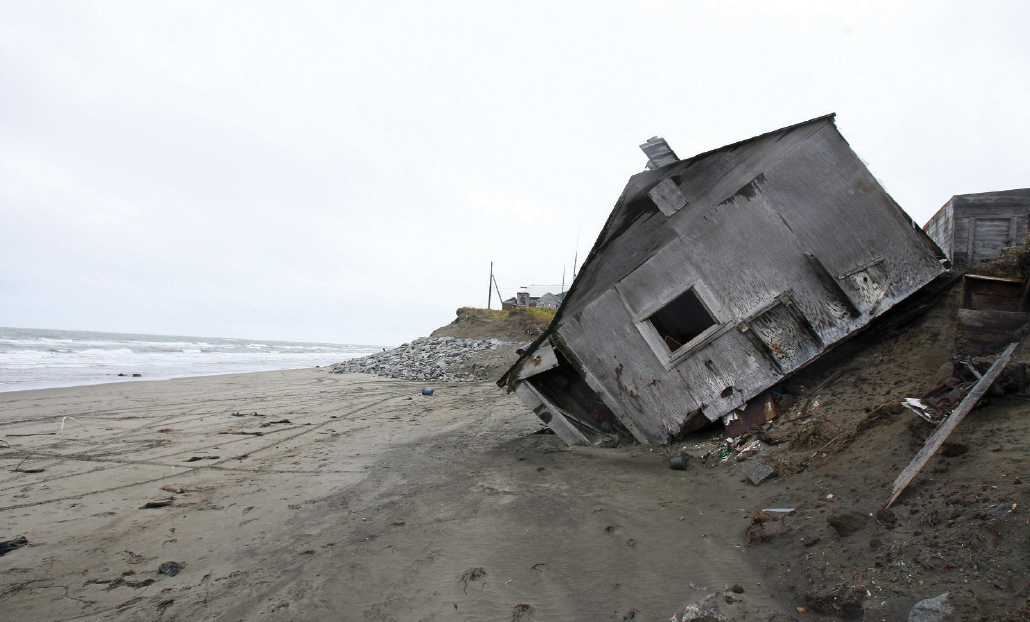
(349,497)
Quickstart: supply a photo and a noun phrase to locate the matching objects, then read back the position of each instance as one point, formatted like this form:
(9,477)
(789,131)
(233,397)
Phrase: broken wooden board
(543,360)
(941,434)
(974,322)
(551,416)
(991,309)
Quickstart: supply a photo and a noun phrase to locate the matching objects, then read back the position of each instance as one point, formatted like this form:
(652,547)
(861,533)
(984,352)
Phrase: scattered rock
(679,463)
(9,545)
(423,359)
(706,610)
(736,589)
(886,517)
(931,610)
(847,523)
(845,601)
(759,472)
(170,568)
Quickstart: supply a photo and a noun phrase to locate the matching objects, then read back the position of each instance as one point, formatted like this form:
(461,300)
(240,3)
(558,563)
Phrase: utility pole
(490,286)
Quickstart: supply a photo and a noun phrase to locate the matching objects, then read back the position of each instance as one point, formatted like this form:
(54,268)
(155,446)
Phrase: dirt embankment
(521,325)
(518,327)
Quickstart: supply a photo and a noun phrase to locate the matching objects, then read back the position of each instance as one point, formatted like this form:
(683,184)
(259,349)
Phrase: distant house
(523,299)
(549,301)
(715,278)
(973,227)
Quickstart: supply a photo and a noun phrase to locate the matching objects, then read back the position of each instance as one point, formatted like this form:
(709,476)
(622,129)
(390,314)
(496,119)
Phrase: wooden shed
(716,277)
(973,227)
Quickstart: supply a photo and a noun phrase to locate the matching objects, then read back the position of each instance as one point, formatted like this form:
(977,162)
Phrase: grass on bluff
(540,314)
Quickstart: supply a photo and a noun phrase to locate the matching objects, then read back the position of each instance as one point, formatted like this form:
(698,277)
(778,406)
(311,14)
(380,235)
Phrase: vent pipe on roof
(658,153)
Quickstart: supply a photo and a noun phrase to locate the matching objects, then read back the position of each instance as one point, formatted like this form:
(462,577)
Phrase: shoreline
(127,379)
(39,358)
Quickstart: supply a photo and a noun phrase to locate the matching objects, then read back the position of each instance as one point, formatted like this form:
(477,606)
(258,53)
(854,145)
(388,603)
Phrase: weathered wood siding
(637,228)
(842,216)
(941,229)
(786,240)
(801,254)
(971,228)
(624,365)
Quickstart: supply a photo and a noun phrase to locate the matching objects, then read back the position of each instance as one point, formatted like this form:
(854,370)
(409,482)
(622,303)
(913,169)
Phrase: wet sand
(370,502)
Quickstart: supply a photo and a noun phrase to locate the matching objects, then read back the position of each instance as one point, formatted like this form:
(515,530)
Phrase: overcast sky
(318,172)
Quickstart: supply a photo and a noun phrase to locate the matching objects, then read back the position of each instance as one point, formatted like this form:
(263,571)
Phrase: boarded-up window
(682,320)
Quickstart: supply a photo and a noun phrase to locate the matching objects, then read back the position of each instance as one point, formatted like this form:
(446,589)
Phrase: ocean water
(40,359)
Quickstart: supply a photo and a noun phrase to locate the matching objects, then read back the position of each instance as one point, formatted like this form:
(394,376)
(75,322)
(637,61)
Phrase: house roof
(636,229)
(705,180)
(1019,196)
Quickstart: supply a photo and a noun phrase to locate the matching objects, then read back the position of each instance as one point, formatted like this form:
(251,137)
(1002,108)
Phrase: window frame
(668,357)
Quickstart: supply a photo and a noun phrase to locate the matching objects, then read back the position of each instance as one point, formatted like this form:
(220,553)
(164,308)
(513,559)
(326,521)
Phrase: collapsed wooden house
(716,277)
(971,228)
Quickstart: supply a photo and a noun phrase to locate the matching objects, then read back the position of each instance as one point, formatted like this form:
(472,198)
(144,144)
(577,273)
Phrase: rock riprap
(425,358)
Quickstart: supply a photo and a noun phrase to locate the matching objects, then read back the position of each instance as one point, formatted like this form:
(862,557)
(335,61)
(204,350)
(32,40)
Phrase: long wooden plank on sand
(941,434)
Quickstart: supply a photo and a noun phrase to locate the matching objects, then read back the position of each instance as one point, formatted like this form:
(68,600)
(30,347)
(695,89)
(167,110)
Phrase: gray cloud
(346,174)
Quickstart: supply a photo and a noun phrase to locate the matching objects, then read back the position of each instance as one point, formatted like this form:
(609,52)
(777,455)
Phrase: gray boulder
(931,610)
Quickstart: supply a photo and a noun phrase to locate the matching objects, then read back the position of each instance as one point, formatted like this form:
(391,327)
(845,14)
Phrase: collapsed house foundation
(717,277)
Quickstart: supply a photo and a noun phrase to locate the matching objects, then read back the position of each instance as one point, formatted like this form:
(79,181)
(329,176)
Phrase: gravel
(425,358)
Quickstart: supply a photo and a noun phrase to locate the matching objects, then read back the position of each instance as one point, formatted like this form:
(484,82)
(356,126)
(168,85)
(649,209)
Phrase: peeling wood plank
(667,196)
(941,434)
(542,359)
(992,320)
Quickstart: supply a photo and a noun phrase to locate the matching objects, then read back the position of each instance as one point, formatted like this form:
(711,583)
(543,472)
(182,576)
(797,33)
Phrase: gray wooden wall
(809,250)
(971,228)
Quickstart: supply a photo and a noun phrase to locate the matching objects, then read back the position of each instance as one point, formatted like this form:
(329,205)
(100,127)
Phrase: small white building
(549,301)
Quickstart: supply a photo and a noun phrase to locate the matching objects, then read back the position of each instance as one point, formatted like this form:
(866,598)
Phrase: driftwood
(826,383)
(941,434)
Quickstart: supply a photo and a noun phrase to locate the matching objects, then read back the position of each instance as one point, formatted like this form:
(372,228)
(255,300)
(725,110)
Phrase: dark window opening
(580,404)
(682,320)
